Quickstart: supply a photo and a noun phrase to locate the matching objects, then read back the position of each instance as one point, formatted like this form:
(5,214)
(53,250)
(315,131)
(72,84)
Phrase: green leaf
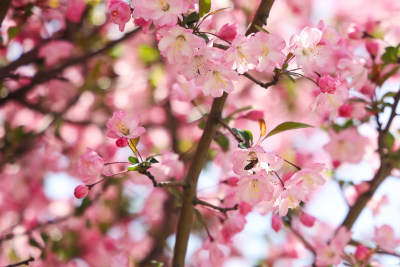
(246,136)
(156,263)
(133,160)
(81,209)
(199,217)
(389,140)
(286,126)
(148,54)
(153,160)
(391,55)
(261,29)
(134,168)
(204,7)
(191,19)
(222,141)
(12,32)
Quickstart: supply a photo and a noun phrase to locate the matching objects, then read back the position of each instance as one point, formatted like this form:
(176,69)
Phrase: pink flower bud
(372,48)
(81,191)
(307,220)
(228,32)
(245,208)
(232,181)
(276,222)
(354,31)
(345,110)
(361,252)
(121,142)
(328,84)
(362,188)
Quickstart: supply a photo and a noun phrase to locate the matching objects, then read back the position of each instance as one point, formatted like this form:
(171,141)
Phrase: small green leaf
(133,160)
(134,168)
(199,217)
(246,136)
(191,19)
(389,140)
(222,141)
(204,7)
(148,54)
(286,126)
(391,55)
(157,263)
(12,32)
(261,29)
(153,160)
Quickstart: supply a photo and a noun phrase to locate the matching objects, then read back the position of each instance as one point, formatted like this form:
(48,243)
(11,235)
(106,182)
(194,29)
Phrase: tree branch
(189,193)
(384,171)
(197,201)
(4,5)
(25,262)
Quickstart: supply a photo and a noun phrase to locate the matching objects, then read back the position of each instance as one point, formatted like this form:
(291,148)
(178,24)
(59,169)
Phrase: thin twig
(226,126)
(25,262)
(197,201)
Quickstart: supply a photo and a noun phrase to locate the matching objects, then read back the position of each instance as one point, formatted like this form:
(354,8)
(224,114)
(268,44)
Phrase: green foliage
(12,32)
(391,55)
(86,202)
(389,140)
(261,29)
(222,141)
(133,160)
(204,7)
(286,126)
(148,54)
(246,136)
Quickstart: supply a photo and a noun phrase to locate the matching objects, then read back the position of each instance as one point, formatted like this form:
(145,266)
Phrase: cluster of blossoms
(91,165)
(259,181)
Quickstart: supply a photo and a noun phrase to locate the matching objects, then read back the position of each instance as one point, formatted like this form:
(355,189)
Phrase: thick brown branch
(4,5)
(261,16)
(384,171)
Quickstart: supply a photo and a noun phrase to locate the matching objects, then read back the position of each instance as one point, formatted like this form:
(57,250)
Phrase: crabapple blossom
(327,254)
(119,125)
(254,188)
(346,146)
(90,166)
(218,80)
(228,32)
(240,54)
(254,160)
(268,49)
(308,177)
(307,220)
(55,51)
(81,191)
(328,84)
(120,13)
(385,238)
(361,252)
(75,10)
(178,44)
(276,223)
(161,12)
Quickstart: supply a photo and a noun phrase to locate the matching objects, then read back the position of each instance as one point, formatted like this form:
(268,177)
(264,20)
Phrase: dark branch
(197,201)
(25,262)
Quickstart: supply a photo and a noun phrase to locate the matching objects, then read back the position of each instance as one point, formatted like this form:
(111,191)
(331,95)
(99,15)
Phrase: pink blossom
(361,252)
(90,165)
(145,24)
(355,31)
(346,146)
(385,238)
(372,48)
(219,80)
(345,110)
(254,160)
(161,12)
(308,177)
(55,51)
(311,55)
(233,225)
(276,223)
(81,191)
(228,32)
(328,84)
(185,90)
(121,142)
(240,55)
(216,254)
(328,104)
(254,188)
(268,50)
(290,198)
(75,10)
(307,220)
(119,125)
(179,44)
(120,13)
(331,254)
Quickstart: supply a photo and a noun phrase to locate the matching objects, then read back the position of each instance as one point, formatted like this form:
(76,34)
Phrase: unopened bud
(81,191)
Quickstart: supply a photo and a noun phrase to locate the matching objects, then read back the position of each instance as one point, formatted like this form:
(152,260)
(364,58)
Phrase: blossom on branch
(120,13)
(90,166)
(119,125)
